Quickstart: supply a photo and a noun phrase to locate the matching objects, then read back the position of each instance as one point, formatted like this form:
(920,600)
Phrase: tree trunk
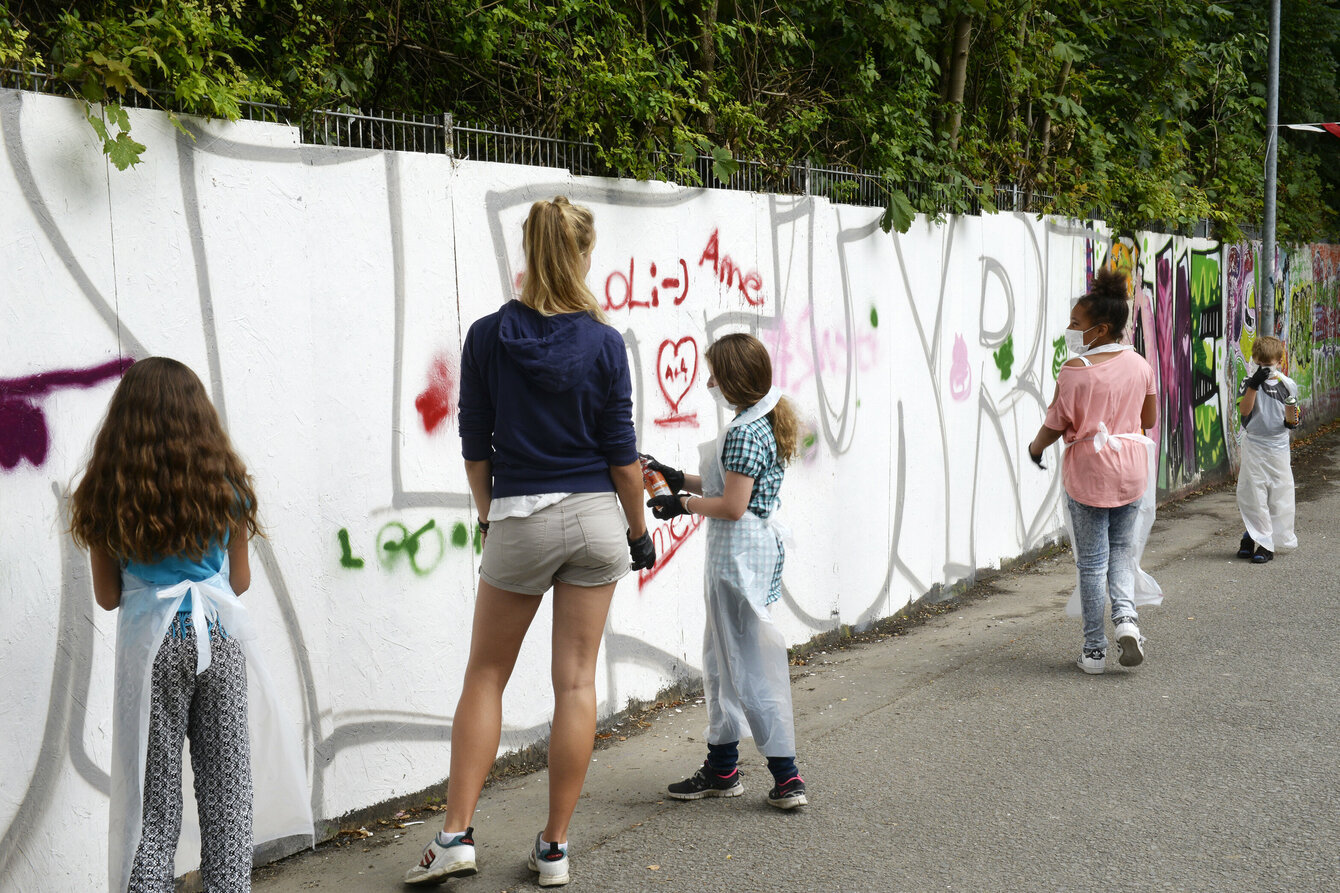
(958,74)
(707,54)
(1047,118)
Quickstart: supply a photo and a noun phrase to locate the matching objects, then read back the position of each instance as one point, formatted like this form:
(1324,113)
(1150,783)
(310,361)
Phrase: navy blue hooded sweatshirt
(547,399)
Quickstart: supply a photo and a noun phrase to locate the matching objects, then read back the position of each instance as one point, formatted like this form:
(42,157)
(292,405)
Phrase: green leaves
(898,212)
(120,149)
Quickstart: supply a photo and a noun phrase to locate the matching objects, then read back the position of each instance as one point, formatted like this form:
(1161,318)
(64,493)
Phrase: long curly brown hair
(163,479)
(743,372)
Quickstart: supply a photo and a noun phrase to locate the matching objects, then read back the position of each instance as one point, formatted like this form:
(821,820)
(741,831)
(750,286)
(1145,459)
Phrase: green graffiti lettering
(395,539)
(460,536)
(1005,358)
(1058,355)
(347,558)
(874,318)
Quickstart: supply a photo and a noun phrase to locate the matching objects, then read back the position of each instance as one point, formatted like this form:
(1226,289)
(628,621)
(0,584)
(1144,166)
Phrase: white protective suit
(1265,478)
(1147,590)
(746,673)
(282,801)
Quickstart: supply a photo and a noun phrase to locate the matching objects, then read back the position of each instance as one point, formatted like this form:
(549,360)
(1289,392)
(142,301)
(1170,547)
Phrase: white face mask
(719,397)
(1074,341)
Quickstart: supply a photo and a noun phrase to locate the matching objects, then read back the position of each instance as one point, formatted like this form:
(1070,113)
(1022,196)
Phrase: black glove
(1258,377)
(674,478)
(666,507)
(1037,460)
(643,552)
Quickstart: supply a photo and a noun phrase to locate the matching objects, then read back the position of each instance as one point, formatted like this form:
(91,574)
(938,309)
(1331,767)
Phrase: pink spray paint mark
(23,425)
(437,402)
(960,373)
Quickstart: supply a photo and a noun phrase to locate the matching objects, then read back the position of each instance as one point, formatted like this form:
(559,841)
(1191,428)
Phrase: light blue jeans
(1104,555)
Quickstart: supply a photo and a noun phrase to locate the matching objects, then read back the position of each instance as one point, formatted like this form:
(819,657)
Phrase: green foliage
(1135,112)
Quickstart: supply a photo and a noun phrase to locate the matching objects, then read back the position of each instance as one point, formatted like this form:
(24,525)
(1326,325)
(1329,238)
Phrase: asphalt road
(971,753)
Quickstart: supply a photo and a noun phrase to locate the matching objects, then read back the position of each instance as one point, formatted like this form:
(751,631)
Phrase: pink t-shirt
(1113,392)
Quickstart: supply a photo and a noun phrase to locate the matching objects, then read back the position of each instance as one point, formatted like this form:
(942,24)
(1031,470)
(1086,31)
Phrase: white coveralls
(1265,478)
(1147,590)
(746,673)
(282,805)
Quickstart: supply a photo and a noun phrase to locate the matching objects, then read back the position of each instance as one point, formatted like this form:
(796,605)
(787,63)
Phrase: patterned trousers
(210,709)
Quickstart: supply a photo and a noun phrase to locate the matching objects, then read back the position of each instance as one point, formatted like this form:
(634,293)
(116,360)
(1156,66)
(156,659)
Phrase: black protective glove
(1037,460)
(1258,377)
(643,552)
(674,478)
(666,507)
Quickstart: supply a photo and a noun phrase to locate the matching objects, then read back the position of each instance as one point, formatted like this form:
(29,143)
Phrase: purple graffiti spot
(960,374)
(23,425)
(23,433)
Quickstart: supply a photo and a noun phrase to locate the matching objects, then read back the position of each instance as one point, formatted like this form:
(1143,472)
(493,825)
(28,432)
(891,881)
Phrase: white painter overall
(745,670)
(282,802)
(1147,589)
(1265,485)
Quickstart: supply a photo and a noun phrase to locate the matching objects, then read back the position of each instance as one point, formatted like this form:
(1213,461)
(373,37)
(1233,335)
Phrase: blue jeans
(1104,555)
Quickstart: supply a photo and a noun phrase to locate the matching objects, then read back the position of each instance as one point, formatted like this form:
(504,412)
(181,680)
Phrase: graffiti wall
(323,294)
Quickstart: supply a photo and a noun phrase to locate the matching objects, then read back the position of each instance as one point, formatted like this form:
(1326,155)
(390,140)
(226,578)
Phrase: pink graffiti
(729,274)
(23,426)
(797,358)
(960,373)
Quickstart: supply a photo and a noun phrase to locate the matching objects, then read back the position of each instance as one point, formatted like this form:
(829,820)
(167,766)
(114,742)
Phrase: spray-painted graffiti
(23,425)
(910,435)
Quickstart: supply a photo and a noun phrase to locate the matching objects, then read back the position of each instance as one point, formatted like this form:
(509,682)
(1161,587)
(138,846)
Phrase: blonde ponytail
(557,237)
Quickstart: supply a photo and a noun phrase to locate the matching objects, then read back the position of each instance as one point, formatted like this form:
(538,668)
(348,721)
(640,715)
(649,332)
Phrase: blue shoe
(1262,555)
(1246,547)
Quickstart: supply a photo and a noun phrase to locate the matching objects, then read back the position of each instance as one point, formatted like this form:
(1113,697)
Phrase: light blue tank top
(171,571)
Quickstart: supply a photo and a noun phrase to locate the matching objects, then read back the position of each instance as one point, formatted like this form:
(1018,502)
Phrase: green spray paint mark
(479,539)
(347,558)
(1058,355)
(460,535)
(874,318)
(395,539)
(1005,358)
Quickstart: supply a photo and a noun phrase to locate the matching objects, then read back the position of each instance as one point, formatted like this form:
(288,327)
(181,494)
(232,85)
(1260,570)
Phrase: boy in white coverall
(1269,408)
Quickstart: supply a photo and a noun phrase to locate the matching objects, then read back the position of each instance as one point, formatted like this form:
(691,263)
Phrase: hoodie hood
(554,352)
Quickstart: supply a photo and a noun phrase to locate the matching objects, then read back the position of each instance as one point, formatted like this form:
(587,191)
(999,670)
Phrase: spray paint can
(653,481)
(1291,411)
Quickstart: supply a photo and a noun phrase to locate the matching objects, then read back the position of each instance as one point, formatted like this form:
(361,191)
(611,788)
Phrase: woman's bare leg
(579,626)
(500,624)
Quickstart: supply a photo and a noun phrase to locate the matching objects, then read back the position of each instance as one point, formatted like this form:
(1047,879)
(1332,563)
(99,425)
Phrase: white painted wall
(315,291)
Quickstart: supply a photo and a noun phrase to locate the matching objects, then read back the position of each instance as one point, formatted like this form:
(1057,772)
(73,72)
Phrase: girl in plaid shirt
(745,668)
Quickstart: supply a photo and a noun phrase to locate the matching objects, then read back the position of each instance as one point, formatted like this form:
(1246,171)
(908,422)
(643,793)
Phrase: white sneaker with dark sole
(1130,645)
(1092,661)
(551,861)
(455,858)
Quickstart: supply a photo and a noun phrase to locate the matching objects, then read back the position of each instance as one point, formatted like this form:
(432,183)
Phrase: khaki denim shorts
(582,541)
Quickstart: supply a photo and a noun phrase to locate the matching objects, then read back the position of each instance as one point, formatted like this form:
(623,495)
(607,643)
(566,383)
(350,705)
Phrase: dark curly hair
(163,479)
(1105,302)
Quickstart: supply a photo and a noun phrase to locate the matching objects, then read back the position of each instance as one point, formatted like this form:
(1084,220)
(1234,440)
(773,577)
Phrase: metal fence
(441,134)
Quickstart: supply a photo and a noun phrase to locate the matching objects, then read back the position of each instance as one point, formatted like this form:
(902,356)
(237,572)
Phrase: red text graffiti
(668,538)
(623,292)
(731,275)
(676,371)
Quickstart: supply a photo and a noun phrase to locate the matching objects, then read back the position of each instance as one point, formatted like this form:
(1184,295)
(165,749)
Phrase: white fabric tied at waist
(205,594)
(1107,440)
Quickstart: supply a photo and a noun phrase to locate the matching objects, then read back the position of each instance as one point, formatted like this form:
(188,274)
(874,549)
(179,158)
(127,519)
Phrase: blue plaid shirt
(751,450)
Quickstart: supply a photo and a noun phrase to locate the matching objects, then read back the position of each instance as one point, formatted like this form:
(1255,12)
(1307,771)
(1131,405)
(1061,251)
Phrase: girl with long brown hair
(165,508)
(546,424)
(745,673)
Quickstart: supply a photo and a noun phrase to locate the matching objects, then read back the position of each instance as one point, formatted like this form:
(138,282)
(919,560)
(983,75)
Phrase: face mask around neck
(719,398)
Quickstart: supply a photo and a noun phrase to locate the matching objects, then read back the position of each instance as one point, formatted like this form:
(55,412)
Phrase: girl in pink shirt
(1105,399)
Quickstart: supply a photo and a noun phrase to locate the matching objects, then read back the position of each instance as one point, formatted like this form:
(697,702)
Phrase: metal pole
(1265,303)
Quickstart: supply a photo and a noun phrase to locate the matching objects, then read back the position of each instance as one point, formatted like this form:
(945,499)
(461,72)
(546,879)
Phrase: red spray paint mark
(668,538)
(622,289)
(438,400)
(23,426)
(729,274)
(676,371)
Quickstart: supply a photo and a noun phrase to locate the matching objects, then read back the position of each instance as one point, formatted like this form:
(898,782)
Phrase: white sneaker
(1092,661)
(551,861)
(1130,644)
(453,858)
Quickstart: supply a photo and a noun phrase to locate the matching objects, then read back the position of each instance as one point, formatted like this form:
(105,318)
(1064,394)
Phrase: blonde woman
(550,453)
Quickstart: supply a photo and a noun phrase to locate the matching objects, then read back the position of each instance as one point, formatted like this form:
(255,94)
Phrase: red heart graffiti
(676,369)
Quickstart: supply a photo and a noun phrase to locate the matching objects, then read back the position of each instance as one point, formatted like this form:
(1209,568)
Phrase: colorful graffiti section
(1194,317)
